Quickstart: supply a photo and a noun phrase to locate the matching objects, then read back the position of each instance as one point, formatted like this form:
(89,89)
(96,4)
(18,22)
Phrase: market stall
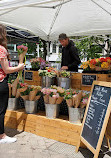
(81,81)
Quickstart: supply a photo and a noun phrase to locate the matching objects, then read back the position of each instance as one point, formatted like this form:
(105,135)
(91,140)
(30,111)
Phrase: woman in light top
(4,90)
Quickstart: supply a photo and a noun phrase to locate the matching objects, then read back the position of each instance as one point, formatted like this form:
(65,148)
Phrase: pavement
(29,145)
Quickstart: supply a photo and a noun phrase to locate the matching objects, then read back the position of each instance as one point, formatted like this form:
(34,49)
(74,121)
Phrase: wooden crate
(36,78)
(57,129)
(76,80)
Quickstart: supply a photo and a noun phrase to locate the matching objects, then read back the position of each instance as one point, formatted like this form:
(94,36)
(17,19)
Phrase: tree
(90,47)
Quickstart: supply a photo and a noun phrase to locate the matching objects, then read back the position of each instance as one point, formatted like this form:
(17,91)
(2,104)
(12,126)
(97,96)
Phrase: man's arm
(75,56)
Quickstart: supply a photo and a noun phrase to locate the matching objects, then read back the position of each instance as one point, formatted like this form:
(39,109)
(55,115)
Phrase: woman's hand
(20,66)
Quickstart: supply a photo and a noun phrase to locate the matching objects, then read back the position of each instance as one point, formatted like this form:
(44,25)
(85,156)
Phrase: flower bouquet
(53,96)
(10,89)
(22,50)
(33,95)
(21,87)
(68,97)
(25,94)
(61,93)
(77,95)
(39,63)
(65,74)
(46,92)
(49,72)
(98,64)
(50,97)
(14,86)
(73,97)
(84,99)
(38,94)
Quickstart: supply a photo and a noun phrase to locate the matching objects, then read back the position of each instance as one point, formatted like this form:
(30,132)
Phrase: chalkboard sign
(28,75)
(88,79)
(96,116)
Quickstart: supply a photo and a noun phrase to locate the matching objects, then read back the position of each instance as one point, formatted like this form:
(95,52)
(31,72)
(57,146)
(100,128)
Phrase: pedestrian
(70,57)
(4,90)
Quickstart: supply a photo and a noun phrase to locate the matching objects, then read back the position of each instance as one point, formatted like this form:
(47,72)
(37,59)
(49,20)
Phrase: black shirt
(70,57)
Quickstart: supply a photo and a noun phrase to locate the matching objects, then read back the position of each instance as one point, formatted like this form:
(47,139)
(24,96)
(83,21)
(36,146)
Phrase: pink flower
(22,47)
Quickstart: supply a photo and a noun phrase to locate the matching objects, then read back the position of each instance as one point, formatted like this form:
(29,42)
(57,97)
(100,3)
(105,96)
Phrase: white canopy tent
(48,18)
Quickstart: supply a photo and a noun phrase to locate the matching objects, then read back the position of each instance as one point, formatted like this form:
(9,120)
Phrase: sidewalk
(32,146)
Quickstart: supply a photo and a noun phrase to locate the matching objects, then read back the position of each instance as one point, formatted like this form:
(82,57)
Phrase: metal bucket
(52,110)
(76,115)
(30,106)
(13,103)
(64,82)
(47,81)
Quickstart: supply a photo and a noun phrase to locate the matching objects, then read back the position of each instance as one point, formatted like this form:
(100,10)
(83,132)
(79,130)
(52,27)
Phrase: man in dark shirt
(70,58)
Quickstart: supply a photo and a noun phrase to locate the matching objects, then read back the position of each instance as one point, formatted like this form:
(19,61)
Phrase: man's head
(63,39)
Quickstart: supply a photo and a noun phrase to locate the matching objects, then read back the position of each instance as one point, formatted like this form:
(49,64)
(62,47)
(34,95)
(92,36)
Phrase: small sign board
(96,116)
(87,80)
(28,75)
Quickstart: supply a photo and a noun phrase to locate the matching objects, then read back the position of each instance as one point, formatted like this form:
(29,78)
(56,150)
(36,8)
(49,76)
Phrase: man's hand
(64,67)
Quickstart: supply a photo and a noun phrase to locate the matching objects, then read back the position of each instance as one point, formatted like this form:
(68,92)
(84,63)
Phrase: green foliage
(90,47)
(31,49)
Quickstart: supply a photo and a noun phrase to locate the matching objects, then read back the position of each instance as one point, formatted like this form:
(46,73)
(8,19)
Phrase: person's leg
(4,94)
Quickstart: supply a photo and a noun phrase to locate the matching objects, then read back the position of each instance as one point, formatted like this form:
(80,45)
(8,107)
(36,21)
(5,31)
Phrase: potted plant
(73,98)
(52,97)
(48,76)
(64,79)
(12,101)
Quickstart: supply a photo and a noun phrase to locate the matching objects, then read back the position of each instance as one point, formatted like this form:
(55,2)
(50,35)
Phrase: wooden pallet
(58,129)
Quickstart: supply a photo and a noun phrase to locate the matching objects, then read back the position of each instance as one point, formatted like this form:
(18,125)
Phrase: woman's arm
(7,69)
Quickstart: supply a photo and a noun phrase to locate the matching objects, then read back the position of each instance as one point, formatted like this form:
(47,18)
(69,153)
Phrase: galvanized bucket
(30,106)
(76,115)
(64,82)
(47,81)
(13,103)
(52,110)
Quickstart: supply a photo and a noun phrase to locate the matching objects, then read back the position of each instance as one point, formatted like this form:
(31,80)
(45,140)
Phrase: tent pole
(101,7)
(37,49)
(48,53)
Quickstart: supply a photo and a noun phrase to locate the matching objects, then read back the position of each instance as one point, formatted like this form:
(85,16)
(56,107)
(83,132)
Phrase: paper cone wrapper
(69,102)
(59,100)
(21,57)
(73,99)
(46,99)
(14,86)
(18,93)
(10,90)
(52,100)
(82,105)
(23,89)
(32,94)
(25,97)
(77,99)
(37,97)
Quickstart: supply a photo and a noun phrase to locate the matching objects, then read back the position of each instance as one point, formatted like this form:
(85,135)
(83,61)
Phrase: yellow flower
(105,65)
(91,66)
(85,66)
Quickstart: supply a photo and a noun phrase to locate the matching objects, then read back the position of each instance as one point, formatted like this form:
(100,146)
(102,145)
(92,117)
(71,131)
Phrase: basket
(30,106)
(13,103)
(76,115)
(52,110)
(48,81)
(64,82)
